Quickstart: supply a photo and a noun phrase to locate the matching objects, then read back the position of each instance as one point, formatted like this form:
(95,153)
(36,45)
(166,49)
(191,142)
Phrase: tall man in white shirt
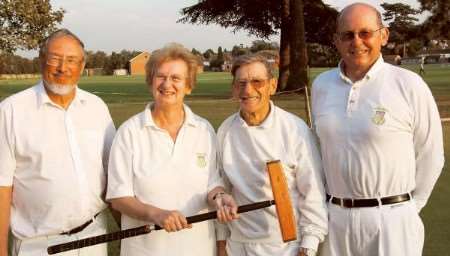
(381,141)
(262,132)
(54,145)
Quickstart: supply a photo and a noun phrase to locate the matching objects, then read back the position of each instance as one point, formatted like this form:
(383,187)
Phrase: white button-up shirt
(380,136)
(147,164)
(244,151)
(55,159)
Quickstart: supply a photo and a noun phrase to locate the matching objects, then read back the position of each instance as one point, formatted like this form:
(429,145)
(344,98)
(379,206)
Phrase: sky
(146,25)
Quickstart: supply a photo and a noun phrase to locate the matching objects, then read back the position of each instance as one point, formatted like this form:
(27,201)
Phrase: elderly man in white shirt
(381,141)
(262,132)
(54,146)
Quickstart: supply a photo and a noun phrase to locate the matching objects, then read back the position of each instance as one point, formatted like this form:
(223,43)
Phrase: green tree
(269,18)
(220,55)
(195,52)
(437,25)
(261,45)
(208,54)
(96,59)
(239,50)
(26,23)
(402,23)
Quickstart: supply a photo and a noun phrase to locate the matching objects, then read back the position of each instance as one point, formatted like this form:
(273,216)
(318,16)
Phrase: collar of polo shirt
(43,98)
(147,119)
(370,74)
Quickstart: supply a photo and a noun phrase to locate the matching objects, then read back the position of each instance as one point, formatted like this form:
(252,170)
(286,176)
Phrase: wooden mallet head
(283,203)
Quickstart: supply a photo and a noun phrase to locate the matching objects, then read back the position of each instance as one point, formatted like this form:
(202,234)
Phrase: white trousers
(262,249)
(388,230)
(37,246)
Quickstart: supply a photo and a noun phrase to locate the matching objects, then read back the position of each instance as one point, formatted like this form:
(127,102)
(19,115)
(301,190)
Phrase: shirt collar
(369,75)
(43,99)
(267,123)
(147,118)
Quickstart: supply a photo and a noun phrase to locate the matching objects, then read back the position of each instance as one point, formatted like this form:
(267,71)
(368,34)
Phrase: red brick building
(137,64)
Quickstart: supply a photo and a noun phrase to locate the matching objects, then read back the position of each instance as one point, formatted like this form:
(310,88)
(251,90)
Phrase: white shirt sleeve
(428,144)
(7,157)
(310,184)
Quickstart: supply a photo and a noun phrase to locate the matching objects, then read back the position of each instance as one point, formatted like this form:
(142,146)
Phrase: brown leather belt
(372,202)
(79,228)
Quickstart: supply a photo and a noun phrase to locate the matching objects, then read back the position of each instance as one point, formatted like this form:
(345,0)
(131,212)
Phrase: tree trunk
(283,73)
(298,76)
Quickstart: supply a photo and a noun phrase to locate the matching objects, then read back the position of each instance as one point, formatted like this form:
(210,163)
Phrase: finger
(167,224)
(220,215)
(178,223)
(227,212)
(234,212)
(183,222)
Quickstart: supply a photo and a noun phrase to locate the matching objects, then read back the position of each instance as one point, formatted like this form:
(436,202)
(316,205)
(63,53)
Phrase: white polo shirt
(55,159)
(244,151)
(147,164)
(380,136)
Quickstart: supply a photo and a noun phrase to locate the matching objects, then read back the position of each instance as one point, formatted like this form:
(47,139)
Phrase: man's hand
(171,221)
(226,207)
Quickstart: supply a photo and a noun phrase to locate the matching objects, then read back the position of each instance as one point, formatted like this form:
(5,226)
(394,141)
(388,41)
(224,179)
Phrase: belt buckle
(344,205)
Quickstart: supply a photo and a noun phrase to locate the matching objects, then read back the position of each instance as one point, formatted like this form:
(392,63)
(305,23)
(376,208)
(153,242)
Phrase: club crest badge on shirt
(379,115)
(201,160)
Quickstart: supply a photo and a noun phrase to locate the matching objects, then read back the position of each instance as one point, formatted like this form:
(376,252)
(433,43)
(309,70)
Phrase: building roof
(137,56)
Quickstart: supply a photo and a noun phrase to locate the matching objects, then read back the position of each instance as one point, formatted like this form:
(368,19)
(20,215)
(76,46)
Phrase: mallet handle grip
(145,229)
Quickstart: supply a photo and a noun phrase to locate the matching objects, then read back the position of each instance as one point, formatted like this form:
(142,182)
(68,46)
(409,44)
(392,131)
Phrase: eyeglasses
(70,61)
(363,35)
(176,79)
(255,83)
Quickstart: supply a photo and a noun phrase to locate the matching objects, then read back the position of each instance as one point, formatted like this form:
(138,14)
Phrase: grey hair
(342,12)
(250,59)
(170,52)
(59,33)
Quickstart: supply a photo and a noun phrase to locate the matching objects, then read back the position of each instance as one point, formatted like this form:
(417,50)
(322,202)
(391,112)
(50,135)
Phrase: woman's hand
(171,221)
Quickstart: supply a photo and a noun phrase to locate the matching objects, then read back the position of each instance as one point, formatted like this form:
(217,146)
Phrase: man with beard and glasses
(54,145)
(381,140)
(260,132)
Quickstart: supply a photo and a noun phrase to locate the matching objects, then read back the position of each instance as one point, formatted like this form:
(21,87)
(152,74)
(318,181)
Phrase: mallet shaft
(145,229)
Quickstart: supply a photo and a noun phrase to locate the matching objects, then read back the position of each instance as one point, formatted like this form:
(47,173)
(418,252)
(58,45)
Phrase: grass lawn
(127,96)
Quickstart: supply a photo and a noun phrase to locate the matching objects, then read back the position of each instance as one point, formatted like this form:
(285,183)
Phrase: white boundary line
(445,119)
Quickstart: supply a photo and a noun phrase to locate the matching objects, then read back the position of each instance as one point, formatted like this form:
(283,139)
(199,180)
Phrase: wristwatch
(308,251)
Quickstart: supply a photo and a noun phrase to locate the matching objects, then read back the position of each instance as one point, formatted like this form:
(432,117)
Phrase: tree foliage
(402,21)
(118,60)
(25,23)
(262,18)
(266,18)
(14,64)
(437,25)
(261,45)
